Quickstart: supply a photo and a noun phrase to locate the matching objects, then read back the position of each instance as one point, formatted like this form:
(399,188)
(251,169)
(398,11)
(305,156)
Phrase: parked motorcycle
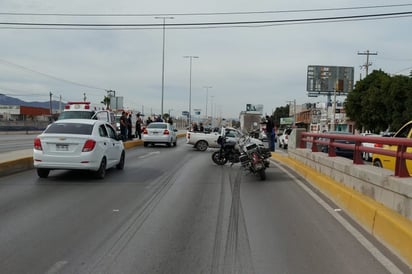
(228,151)
(255,158)
(252,157)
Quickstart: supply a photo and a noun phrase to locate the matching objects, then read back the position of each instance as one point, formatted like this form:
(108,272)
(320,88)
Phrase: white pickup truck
(201,141)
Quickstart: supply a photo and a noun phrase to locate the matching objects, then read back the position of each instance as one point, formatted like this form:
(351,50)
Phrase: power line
(212,24)
(199,13)
(202,27)
(50,76)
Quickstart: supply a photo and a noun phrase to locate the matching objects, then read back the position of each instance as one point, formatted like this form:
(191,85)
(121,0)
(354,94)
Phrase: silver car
(78,144)
(159,133)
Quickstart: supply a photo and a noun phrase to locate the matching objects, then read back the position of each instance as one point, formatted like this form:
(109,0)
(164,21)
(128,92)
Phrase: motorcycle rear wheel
(219,158)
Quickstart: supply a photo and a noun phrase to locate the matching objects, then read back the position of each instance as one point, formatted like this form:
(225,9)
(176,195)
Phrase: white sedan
(78,144)
(159,133)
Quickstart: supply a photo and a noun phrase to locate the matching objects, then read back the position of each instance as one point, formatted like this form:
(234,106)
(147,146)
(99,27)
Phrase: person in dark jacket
(123,126)
(270,132)
(129,127)
(139,123)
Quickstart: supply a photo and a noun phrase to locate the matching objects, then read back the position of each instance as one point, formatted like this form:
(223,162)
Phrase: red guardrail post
(331,148)
(314,144)
(400,163)
(357,154)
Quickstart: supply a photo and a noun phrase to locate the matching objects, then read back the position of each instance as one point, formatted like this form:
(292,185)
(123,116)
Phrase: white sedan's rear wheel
(101,172)
(120,165)
(43,172)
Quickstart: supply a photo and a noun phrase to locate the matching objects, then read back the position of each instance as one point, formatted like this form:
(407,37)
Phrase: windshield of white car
(162,126)
(76,115)
(70,128)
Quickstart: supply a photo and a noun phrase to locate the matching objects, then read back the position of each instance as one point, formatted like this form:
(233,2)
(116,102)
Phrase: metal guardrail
(332,141)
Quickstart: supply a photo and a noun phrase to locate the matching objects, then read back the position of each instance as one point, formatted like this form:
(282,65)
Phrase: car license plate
(62,147)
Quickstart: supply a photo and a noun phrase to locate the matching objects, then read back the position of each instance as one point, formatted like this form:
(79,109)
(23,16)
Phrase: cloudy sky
(241,64)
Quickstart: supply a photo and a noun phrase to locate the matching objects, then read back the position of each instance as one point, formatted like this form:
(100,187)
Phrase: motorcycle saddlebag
(265,152)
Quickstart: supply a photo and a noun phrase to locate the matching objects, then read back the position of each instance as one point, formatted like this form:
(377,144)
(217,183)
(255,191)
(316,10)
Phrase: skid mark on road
(237,255)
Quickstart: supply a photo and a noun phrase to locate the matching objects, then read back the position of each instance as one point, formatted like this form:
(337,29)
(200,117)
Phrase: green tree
(280,112)
(366,105)
(380,102)
(106,102)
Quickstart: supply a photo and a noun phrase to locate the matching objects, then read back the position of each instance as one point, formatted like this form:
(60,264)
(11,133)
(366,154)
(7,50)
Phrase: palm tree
(106,102)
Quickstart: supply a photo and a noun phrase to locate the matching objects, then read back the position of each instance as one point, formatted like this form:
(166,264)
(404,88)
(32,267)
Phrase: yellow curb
(387,225)
(17,165)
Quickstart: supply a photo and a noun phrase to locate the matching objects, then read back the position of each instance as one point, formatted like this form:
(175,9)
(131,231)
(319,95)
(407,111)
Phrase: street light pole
(163,60)
(211,106)
(207,96)
(190,87)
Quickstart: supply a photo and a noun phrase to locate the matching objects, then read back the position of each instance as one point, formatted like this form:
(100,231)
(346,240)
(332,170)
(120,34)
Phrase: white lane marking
(56,267)
(149,154)
(390,266)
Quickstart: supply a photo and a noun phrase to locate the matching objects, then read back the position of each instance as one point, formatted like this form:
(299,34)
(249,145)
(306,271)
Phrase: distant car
(283,138)
(159,133)
(367,156)
(343,152)
(78,144)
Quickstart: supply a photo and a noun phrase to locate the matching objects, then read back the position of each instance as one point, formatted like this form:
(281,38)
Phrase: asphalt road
(171,210)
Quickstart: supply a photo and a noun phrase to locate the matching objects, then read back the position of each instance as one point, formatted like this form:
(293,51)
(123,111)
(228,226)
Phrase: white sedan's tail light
(166,132)
(89,145)
(37,144)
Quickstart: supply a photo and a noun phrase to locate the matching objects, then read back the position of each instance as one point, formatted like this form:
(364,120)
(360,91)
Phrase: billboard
(324,80)
(251,107)
(287,120)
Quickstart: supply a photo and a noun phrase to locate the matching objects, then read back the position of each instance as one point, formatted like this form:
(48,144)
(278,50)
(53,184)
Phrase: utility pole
(207,95)
(367,64)
(112,95)
(190,87)
(163,61)
(51,106)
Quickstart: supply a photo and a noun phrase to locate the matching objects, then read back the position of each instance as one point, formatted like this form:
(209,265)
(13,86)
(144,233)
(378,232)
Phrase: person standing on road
(149,120)
(129,127)
(123,126)
(270,132)
(194,127)
(139,122)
